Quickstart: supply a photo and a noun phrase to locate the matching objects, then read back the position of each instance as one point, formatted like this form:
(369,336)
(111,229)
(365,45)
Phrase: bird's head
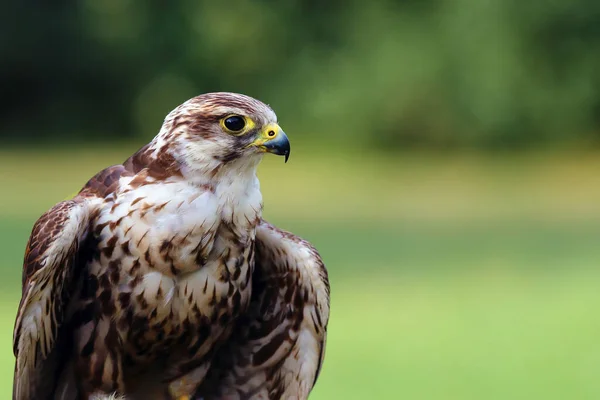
(213,130)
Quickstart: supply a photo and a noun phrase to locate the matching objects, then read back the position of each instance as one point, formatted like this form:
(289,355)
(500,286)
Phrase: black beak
(279,145)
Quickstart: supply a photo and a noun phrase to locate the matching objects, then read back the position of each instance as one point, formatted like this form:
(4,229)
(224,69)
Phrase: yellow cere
(267,133)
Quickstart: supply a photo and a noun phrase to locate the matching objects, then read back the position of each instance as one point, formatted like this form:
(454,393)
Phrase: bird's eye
(234,123)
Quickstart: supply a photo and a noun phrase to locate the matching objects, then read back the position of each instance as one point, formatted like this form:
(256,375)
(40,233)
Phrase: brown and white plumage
(48,273)
(161,280)
(277,348)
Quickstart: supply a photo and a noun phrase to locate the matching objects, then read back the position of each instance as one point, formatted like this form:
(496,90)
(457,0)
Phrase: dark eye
(234,123)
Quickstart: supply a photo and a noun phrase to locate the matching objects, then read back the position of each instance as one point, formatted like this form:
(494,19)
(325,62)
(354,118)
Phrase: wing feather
(277,348)
(50,259)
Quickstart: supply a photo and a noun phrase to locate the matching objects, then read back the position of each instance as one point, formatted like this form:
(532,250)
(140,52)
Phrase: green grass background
(453,277)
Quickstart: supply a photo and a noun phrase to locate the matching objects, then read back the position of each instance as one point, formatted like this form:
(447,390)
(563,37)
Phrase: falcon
(161,280)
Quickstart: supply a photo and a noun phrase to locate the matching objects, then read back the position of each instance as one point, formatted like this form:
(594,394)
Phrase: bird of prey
(161,280)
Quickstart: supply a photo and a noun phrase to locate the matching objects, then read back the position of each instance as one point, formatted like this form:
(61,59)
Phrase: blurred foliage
(387,74)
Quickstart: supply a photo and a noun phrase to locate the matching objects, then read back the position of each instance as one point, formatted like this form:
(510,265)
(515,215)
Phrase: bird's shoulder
(105,182)
(139,178)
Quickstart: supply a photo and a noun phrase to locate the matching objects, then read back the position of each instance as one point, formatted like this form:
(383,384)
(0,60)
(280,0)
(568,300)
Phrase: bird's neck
(236,186)
(234,182)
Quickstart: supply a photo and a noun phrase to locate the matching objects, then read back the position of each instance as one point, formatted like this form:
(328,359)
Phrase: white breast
(170,209)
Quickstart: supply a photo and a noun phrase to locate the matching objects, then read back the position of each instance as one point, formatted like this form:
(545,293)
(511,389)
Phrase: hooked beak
(272,139)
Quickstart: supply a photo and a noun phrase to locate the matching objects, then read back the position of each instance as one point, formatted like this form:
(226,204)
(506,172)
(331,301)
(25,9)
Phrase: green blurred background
(445,163)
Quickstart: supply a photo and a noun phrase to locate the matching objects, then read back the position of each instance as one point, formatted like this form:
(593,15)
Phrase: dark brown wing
(277,348)
(50,259)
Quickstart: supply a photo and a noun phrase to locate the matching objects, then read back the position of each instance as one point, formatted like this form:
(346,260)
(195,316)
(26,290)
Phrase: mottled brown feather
(51,264)
(280,293)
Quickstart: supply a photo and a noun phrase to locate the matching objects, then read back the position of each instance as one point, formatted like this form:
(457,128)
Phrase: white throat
(235,186)
(234,183)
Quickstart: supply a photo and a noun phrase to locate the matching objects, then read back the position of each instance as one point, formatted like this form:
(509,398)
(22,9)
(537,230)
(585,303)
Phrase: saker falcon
(161,280)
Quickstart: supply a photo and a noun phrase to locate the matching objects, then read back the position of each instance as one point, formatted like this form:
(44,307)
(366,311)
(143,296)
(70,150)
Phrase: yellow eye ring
(236,124)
